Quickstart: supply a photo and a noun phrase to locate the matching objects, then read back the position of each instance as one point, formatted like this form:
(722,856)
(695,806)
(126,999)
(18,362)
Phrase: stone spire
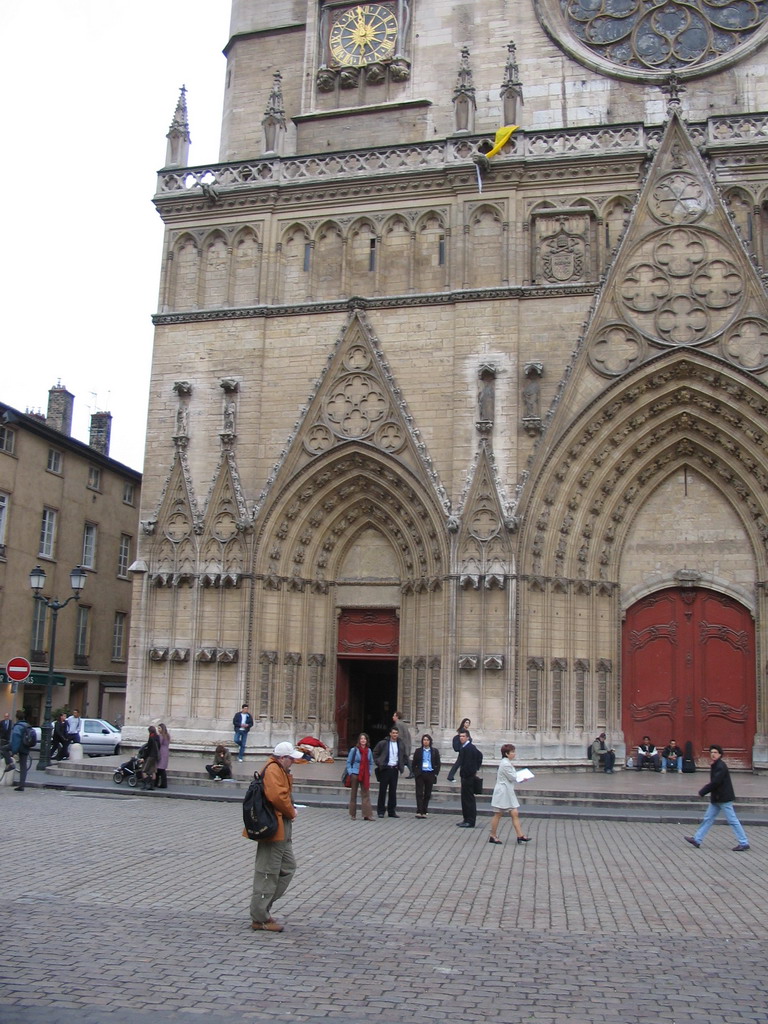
(177,151)
(511,88)
(273,121)
(464,104)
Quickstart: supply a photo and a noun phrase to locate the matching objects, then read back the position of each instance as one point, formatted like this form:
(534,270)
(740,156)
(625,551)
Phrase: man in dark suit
(467,765)
(389,758)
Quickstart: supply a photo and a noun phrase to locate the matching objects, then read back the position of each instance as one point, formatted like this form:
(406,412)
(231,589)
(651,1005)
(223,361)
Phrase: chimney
(60,404)
(101,428)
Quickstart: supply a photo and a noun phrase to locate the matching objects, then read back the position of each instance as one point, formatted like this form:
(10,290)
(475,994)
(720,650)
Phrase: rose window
(634,38)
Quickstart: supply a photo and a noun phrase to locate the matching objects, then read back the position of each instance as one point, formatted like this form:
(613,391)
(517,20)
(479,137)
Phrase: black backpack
(29,737)
(259,817)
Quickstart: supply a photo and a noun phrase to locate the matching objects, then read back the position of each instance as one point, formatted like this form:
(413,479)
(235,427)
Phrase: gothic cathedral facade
(457,434)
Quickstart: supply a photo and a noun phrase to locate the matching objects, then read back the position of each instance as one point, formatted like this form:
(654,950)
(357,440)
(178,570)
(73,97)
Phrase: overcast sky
(89,89)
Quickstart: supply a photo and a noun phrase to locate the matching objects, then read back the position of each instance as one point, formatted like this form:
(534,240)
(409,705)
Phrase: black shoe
(464,824)
(692,841)
(740,847)
(379,814)
(523,839)
(394,815)
(19,789)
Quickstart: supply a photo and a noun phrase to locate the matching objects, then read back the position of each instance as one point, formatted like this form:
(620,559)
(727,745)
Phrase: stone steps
(445,795)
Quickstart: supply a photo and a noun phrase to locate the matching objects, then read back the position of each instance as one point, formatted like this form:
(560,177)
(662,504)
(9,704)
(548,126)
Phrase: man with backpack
(21,746)
(275,863)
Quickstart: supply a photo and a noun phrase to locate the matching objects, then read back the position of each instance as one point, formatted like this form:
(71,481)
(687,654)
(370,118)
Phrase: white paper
(523,775)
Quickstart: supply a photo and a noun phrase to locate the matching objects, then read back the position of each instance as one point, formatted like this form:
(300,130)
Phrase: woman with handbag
(504,797)
(359,770)
(426,768)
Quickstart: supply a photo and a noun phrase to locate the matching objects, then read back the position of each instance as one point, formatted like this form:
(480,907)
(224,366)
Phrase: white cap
(287,750)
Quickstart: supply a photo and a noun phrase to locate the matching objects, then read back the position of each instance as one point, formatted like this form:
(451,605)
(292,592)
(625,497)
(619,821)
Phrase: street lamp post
(37,582)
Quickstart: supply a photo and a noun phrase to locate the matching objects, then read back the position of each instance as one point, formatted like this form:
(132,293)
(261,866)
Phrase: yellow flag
(503,136)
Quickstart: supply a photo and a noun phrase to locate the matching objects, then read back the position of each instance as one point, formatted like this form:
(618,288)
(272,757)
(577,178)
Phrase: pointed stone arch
(396,257)
(485,595)
(246,268)
(368,554)
(215,270)
(308,527)
(357,400)
(595,476)
(295,250)
(616,212)
(184,282)
(362,257)
(224,523)
(430,261)
(485,264)
(177,515)
(485,552)
(350,500)
(328,261)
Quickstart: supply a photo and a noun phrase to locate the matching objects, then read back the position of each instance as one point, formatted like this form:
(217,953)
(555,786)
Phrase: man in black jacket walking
(467,765)
(721,795)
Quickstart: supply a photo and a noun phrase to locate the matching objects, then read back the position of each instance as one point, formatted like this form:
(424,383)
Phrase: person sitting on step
(601,750)
(672,758)
(222,765)
(648,756)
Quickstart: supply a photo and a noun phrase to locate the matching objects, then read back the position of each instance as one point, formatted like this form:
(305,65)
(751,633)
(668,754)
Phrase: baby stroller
(130,770)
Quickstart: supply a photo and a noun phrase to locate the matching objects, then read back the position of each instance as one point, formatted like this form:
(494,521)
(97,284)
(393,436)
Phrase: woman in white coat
(504,797)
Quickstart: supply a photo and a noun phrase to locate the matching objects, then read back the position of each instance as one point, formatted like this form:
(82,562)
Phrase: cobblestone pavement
(123,910)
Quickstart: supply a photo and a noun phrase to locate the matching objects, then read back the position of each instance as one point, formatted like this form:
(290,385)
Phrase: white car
(96,736)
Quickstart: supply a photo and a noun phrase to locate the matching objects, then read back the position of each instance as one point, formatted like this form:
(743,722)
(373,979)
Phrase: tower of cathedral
(457,434)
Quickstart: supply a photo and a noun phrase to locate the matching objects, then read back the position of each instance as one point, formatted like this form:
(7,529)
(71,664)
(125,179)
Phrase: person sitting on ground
(222,765)
(648,755)
(600,748)
(672,757)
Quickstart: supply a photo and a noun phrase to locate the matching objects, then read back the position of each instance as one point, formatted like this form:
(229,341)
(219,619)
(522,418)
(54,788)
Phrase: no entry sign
(18,669)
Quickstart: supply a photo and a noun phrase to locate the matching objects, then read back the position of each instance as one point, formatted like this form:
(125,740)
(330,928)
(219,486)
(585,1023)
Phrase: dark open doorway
(366,696)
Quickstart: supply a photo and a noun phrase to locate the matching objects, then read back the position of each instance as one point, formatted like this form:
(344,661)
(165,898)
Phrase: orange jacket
(277,789)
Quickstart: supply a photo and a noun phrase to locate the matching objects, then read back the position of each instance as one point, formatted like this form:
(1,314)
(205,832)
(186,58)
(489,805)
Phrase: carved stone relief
(682,278)
(562,243)
(485,555)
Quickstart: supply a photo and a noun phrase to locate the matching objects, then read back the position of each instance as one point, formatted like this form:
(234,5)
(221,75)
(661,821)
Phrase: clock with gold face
(363,35)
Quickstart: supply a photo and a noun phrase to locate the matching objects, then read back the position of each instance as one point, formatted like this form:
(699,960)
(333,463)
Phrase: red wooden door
(688,671)
(365,635)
